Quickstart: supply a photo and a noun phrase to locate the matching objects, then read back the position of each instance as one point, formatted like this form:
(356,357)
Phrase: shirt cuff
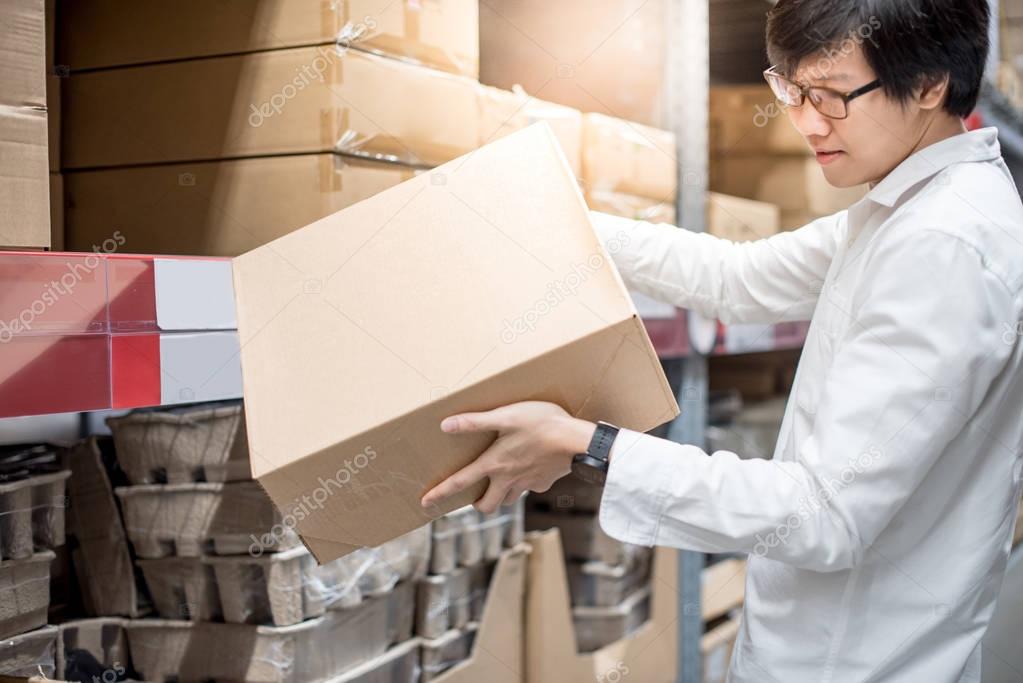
(638,480)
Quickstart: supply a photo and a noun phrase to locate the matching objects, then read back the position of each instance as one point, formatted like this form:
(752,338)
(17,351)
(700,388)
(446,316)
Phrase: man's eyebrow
(826,77)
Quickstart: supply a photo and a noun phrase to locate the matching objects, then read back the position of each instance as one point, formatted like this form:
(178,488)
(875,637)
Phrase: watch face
(589,474)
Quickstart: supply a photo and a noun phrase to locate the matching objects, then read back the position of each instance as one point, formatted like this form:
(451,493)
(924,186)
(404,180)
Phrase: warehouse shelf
(996,109)
(82,332)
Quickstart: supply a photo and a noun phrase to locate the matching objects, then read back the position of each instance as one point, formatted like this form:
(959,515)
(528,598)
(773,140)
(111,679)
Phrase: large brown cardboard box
(606,57)
(506,111)
(741,220)
(649,654)
(220,208)
(622,156)
(747,119)
(299,100)
(443,34)
(479,284)
(24,159)
(631,206)
(793,183)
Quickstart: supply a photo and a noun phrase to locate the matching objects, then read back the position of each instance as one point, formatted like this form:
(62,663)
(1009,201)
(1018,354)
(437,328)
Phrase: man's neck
(941,127)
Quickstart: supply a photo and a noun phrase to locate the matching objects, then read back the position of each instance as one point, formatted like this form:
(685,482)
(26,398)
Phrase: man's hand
(534,448)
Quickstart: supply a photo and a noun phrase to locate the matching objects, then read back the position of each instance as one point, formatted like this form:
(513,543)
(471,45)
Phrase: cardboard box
(793,183)
(503,112)
(723,588)
(741,220)
(102,33)
(748,119)
(622,156)
(467,257)
(606,57)
(299,100)
(716,646)
(216,208)
(650,654)
(24,185)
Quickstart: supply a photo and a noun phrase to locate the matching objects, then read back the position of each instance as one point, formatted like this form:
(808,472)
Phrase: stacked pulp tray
(182,445)
(32,501)
(283,588)
(29,654)
(85,645)
(466,537)
(313,650)
(24,593)
(609,581)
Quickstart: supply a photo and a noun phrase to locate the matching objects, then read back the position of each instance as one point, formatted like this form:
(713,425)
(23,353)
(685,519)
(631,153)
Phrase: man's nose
(809,122)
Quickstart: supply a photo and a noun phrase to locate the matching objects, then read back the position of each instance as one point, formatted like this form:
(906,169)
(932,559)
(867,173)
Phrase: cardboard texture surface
(217,208)
(441,33)
(747,119)
(362,331)
(622,156)
(309,99)
(741,220)
(793,183)
(649,654)
(503,112)
(24,159)
(606,57)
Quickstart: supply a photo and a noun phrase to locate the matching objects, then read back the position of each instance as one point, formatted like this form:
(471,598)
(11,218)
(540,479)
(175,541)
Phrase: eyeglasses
(830,102)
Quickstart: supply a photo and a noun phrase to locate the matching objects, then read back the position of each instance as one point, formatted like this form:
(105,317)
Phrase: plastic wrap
(466,537)
(24,593)
(190,519)
(440,654)
(180,445)
(450,601)
(89,644)
(400,664)
(30,654)
(596,627)
(32,514)
(629,158)
(631,206)
(595,584)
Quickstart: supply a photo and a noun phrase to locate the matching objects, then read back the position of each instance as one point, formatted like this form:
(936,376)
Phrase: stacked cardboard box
(723,592)
(24,175)
(1010,39)
(32,485)
(757,154)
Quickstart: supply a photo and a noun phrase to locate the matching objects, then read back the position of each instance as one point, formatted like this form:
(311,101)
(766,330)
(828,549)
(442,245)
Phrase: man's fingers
(492,499)
(513,495)
(457,482)
(488,421)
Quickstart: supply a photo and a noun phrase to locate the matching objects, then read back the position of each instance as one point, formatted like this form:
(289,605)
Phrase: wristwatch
(592,465)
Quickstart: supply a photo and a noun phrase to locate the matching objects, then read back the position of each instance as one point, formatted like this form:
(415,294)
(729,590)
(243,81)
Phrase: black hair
(908,43)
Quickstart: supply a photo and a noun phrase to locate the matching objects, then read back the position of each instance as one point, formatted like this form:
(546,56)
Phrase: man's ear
(930,94)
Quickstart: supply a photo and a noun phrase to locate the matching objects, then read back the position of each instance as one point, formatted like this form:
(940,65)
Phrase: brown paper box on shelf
(631,206)
(747,119)
(622,156)
(649,654)
(606,57)
(476,285)
(723,588)
(741,220)
(216,208)
(24,186)
(102,33)
(503,112)
(716,647)
(793,183)
(311,99)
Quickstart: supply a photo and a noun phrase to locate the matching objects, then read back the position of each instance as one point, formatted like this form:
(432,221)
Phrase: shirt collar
(977,145)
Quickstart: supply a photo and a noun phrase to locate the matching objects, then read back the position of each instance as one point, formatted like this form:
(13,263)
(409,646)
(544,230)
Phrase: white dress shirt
(879,533)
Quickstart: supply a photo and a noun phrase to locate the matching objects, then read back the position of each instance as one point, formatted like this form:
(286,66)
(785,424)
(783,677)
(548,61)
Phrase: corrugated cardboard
(747,119)
(606,57)
(793,183)
(479,284)
(622,156)
(104,33)
(648,655)
(216,208)
(741,220)
(503,112)
(24,186)
(280,102)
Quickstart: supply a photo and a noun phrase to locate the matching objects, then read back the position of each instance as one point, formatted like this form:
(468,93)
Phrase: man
(879,532)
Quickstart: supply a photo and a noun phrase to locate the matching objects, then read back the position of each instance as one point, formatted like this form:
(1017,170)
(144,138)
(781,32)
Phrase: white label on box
(204,366)
(194,294)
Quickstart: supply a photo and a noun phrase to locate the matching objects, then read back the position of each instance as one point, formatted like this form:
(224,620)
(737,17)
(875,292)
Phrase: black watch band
(594,463)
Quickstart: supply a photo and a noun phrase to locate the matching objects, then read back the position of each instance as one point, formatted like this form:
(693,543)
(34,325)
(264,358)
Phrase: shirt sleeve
(925,344)
(767,281)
